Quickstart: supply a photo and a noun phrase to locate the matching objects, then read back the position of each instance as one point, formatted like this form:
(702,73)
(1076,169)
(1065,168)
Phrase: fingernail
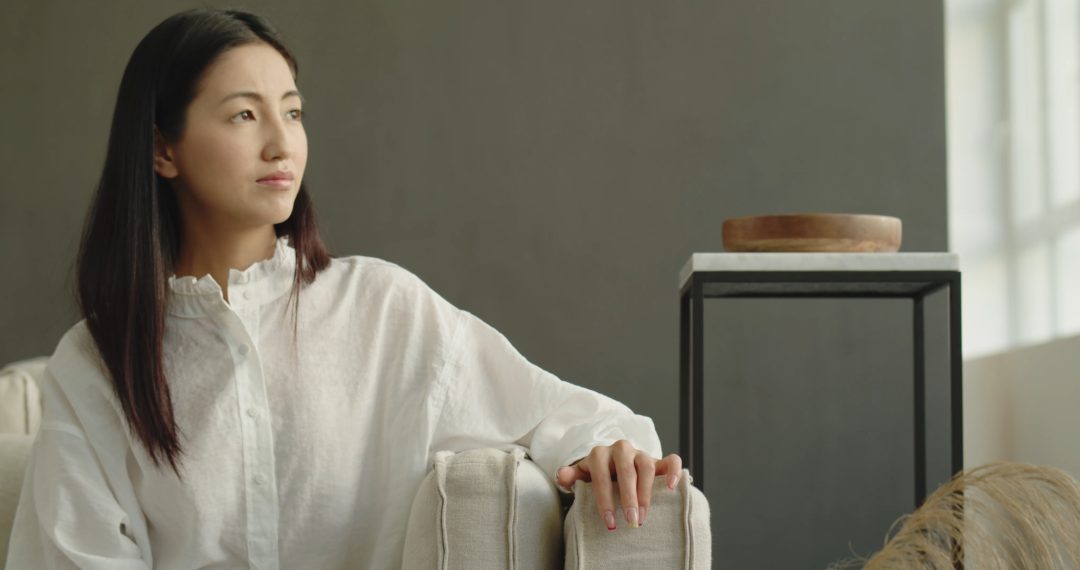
(632,516)
(643,511)
(609,519)
(672,481)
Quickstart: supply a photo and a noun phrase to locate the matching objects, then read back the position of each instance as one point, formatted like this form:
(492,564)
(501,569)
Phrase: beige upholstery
(20,416)
(676,532)
(483,508)
(504,494)
(20,401)
(14,449)
(520,513)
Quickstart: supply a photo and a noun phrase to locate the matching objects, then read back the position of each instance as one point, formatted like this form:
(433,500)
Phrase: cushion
(14,451)
(485,508)
(20,401)
(676,532)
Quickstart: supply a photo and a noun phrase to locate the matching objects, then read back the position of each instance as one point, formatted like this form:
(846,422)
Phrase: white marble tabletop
(901,261)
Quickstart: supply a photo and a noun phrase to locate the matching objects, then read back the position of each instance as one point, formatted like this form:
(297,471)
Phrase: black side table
(817,275)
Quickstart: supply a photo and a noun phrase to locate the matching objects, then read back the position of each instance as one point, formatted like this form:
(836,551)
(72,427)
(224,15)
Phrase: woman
(235,396)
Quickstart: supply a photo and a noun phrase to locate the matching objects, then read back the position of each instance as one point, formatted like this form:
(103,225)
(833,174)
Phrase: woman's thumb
(566,476)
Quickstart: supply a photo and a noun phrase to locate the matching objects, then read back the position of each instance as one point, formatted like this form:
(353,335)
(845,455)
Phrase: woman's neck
(204,253)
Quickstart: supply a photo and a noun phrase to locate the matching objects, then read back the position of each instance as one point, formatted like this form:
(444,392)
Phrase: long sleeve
(68,514)
(494,397)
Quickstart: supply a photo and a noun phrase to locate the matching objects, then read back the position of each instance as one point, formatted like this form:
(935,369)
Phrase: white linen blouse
(304,456)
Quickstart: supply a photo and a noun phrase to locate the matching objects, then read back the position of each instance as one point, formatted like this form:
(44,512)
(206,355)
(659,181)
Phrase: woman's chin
(281,217)
(280,210)
(265,218)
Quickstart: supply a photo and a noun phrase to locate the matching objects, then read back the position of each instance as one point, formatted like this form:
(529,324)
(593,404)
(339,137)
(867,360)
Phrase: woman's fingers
(672,467)
(627,477)
(646,473)
(570,473)
(598,460)
(633,471)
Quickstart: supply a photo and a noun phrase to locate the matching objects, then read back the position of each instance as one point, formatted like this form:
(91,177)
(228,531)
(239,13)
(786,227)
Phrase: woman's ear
(163,159)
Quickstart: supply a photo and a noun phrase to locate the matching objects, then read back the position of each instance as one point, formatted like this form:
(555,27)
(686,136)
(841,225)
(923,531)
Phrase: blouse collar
(261,282)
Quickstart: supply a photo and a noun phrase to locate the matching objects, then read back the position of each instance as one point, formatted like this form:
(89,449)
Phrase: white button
(260,479)
(243,349)
(251,412)
(247,294)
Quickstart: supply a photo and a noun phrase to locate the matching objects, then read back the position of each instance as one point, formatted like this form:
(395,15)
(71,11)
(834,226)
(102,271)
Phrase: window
(1014,180)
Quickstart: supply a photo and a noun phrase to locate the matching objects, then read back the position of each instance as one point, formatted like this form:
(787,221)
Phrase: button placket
(258,450)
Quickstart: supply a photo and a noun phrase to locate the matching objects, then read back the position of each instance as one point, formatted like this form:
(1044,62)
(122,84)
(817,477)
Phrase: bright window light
(1014,168)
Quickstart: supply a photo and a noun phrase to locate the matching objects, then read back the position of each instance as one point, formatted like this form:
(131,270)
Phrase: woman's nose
(279,140)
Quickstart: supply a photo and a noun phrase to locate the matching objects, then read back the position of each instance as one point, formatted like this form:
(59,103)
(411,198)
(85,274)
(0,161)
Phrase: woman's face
(243,125)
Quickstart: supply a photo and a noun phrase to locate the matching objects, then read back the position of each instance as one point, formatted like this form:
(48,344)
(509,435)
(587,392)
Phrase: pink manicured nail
(632,516)
(609,519)
(643,511)
(672,481)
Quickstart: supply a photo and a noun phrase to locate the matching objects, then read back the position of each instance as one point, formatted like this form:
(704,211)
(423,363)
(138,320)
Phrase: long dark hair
(131,238)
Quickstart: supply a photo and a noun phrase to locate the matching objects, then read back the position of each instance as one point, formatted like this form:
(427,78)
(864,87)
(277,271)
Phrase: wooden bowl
(813,232)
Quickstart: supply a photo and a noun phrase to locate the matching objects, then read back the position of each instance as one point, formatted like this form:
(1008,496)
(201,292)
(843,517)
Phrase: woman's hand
(634,470)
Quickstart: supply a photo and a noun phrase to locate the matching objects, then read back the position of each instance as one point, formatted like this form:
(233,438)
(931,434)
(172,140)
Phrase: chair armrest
(487,508)
(14,452)
(676,533)
(20,399)
(484,508)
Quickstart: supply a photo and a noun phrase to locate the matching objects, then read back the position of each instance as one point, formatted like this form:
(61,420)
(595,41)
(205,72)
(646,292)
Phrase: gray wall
(550,167)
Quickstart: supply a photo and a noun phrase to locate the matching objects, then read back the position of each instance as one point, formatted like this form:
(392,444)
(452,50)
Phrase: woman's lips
(276,182)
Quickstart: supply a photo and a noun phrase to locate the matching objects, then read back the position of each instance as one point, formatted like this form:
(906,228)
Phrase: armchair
(483,508)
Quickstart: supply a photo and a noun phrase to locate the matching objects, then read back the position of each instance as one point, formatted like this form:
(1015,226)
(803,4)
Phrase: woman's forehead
(256,68)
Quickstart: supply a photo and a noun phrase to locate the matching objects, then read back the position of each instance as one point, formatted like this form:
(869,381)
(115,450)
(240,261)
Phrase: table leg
(956,359)
(920,402)
(697,400)
(684,382)
(956,401)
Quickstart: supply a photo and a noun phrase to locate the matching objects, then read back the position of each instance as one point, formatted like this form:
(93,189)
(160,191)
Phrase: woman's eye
(296,114)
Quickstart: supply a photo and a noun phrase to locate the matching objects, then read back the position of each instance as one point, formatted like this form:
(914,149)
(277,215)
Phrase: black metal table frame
(691,358)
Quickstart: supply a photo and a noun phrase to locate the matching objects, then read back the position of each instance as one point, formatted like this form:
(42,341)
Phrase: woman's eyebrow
(257,97)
